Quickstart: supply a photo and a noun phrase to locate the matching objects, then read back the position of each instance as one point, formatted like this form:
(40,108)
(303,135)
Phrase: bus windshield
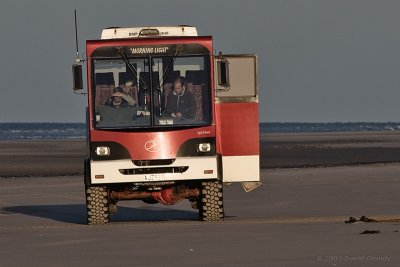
(151,91)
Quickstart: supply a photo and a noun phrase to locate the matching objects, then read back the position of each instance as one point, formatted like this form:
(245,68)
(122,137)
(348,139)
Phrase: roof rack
(148,31)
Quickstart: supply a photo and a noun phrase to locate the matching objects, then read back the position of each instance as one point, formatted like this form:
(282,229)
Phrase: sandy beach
(65,157)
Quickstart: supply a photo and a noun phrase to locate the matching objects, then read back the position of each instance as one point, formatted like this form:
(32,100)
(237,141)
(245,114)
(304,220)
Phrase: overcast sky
(319,61)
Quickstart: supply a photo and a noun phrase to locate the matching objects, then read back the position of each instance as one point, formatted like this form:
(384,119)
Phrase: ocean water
(38,131)
(300,127)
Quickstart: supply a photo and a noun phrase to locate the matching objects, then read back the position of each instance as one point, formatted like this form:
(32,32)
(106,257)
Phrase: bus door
(237,124)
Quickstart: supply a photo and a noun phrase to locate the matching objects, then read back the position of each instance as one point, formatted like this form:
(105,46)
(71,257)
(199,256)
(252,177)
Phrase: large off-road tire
(97,203)
(211,204)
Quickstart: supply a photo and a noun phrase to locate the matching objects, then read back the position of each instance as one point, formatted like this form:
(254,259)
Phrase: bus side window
(195,82)
(104,87)
(195,77)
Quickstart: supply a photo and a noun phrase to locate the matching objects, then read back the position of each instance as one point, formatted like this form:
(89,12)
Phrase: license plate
(154,177)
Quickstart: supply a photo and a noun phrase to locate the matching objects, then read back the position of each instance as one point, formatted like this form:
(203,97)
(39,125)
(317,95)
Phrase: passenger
(119,99)
(180,102)
(130,90)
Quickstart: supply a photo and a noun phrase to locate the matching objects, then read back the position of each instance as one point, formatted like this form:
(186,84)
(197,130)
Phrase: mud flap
(250,186)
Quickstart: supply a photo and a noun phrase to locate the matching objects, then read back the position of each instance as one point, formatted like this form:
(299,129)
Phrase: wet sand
(65,157)
(42,158)
(329,149)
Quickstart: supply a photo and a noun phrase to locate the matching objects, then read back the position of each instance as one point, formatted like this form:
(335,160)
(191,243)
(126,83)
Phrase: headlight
(204,147)
(103,151)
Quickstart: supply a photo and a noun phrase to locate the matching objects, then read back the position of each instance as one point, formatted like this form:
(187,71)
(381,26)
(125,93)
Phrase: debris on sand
(362,219)
(366,219)
(351,220)
(368,232)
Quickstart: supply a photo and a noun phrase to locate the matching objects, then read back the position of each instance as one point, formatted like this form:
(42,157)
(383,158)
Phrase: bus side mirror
(223,73)
(77,77)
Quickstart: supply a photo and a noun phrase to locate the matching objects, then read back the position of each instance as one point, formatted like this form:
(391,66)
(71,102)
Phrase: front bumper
(124,171)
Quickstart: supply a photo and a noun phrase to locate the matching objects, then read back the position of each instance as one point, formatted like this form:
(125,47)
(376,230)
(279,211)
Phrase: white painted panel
(110,170)
(241,168)
(242,77)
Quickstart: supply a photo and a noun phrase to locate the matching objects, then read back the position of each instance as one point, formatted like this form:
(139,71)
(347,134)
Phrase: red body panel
(91,45)
(237,129)
(166,143)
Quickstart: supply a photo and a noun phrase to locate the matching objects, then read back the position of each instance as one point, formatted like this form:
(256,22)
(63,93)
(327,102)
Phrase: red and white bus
(167,120)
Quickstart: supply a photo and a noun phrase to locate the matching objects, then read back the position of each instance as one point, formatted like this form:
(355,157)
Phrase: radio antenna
(76,39)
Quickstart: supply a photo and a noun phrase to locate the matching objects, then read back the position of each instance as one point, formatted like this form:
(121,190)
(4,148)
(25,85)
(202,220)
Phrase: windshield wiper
(132,68)
(168,69)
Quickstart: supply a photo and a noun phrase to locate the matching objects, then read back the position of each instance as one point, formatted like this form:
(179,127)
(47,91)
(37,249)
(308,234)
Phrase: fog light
(204,147)
(103,151)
